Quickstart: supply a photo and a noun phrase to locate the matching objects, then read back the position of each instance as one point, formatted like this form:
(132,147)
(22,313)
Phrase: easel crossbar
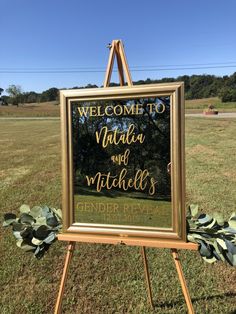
(132,241)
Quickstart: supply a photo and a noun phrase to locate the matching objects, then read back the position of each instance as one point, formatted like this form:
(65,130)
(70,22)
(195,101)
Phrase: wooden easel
(117,49)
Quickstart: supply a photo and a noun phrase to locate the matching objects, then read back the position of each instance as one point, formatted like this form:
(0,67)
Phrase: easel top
(123,90)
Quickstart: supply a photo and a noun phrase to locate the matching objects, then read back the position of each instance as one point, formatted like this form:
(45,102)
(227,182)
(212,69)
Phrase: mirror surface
(121,162)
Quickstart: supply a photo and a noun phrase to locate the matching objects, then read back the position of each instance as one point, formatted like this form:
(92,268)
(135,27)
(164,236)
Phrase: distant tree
(15,93)
(91,86)
(196,87)
(227,94)
(50,94)
(31,97)
(4,100)
(1,90)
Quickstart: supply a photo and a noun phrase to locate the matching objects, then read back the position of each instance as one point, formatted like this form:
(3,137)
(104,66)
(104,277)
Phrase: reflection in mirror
(121,162)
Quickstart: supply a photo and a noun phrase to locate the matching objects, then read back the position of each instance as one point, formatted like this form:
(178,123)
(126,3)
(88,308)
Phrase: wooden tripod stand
(117,49)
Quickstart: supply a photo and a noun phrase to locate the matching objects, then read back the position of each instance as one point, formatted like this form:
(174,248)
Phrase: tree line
(196,87)
(204,86)
(16,96)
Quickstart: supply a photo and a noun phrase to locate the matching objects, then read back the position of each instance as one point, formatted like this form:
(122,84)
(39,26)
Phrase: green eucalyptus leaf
(9,216)
(209,232)
(36,211)
(191,238)
(191,225)
(50,238)
(8,222)
(219,257)
(27,232)
(50,214)
(231,258)
(204,219)
(232,223)
(17,226)
(37,250)
(40,253)
(57,212)
(188,213)
(36,241)
(18,242)
(26,219)
(57,228)
(27,246)
(24,209)
(217,247)
(9,219)
(205,250)
(233,216)
(198,236)
(231,247)
(210,260)
(42,232)
(234,260)
(52,221)
(210,225)
(222,243)
(227,230)
(219,218)
(193,209)
(45,210)
(41,221)
(17,235)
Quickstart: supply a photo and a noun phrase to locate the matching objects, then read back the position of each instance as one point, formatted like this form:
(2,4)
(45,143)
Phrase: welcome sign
(123,161)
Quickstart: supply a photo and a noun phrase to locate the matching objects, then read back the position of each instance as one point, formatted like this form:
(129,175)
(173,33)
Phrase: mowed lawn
(105,278)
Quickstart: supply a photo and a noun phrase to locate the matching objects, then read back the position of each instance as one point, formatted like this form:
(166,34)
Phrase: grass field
(47,109)
(103,278)
(198,105)
(51,109)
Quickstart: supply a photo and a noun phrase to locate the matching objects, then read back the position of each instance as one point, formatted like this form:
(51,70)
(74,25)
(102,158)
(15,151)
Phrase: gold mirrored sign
(123,163)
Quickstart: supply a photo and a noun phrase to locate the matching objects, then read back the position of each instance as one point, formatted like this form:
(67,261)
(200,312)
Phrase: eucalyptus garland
(37,228)
(216,237)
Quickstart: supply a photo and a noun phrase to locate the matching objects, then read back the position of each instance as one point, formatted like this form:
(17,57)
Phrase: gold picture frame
(131,235)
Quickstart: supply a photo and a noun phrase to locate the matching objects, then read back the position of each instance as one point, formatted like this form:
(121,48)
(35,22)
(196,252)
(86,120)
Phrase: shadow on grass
(180,302)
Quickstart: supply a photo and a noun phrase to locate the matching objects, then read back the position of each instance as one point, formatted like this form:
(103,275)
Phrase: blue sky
(73,34)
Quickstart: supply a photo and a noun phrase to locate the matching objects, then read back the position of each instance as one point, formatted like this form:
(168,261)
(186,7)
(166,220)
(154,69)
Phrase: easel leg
(143,251)
(69,255)
(182,281)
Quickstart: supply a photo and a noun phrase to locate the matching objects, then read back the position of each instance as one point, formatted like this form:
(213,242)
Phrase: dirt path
(217,116)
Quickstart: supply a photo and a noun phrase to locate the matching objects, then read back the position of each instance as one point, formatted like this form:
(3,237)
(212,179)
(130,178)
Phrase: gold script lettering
(121,158)
(139,182)
(115,137)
